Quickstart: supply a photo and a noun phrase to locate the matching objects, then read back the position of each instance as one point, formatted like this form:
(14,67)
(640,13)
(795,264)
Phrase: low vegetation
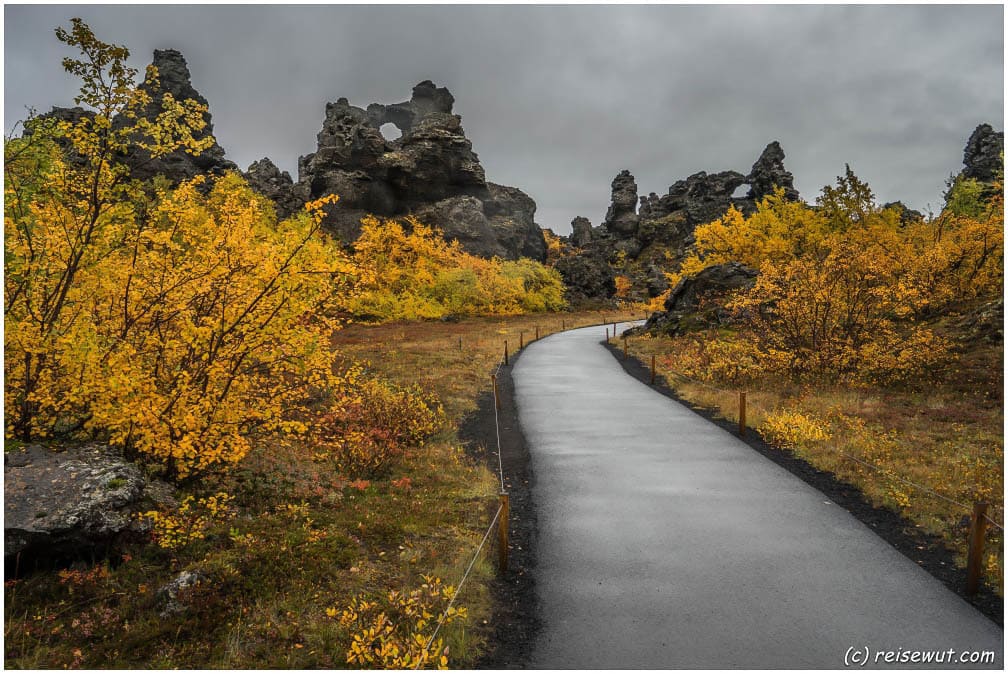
(303,403)
(860,349)
(303,557)
(411,272)
(325,505)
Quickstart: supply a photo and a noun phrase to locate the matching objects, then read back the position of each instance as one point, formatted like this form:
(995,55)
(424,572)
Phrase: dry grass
(428,353)
(305,539)
(946,437)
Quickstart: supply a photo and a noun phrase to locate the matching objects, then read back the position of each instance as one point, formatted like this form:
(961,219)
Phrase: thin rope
(988,518)
(458,588)
(907,482)
(867,464)
(500,459)
(712,387)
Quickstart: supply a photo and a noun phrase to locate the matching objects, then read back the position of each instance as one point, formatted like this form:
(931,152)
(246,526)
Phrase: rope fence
(502,516)
(979,517)
(458,588)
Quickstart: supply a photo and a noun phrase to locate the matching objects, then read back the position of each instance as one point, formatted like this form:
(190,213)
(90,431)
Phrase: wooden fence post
(563,324)
(652,370)
(741,413)
(493,378)
(505,352)
(521,340)
(607,334)
(460,343)
(537,333)
(502,531)
(626,351)
(974,561)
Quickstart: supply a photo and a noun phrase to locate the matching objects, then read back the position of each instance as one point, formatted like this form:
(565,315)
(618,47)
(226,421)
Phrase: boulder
(695,301)
(511,214)
(713,281)
(655,281)
(983,154)
(985,323)
(64,504)
(171,596)
(462,219)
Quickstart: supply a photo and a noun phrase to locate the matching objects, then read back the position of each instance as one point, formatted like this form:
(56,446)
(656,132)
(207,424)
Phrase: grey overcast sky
(556,100)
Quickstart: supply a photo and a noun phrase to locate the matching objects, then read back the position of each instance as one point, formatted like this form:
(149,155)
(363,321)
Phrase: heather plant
(368,432)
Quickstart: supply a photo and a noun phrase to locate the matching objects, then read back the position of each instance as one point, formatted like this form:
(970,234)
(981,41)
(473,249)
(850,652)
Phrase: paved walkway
(666,542)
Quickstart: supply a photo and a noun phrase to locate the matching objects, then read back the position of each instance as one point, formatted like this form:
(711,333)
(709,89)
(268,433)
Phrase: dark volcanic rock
(581,232)
(985,323)
(621,219)
(983,153)
(656,281)
(661,231)
(72,115)
(906,215)
(768,173)
(694,302)
(431,171)
(700,198)
(587,277)
(464,222)
(511,214)
(173,78)
(264,177)
(64,504)
(713,281)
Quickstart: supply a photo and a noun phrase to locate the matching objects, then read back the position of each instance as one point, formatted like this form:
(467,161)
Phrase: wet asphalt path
(666,542)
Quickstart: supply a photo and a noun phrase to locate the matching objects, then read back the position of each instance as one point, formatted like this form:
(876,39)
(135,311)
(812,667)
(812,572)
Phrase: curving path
(666,542)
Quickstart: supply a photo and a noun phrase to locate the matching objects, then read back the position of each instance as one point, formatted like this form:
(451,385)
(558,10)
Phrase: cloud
(558,99)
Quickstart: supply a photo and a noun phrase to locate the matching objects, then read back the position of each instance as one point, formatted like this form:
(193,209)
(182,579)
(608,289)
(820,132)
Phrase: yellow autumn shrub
(396,630)
(174,529)
(406,270)
(793,429)
(843,287)
(172,322)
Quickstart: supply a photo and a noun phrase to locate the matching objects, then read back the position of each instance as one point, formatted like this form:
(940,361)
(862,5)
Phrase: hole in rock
(390,131)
